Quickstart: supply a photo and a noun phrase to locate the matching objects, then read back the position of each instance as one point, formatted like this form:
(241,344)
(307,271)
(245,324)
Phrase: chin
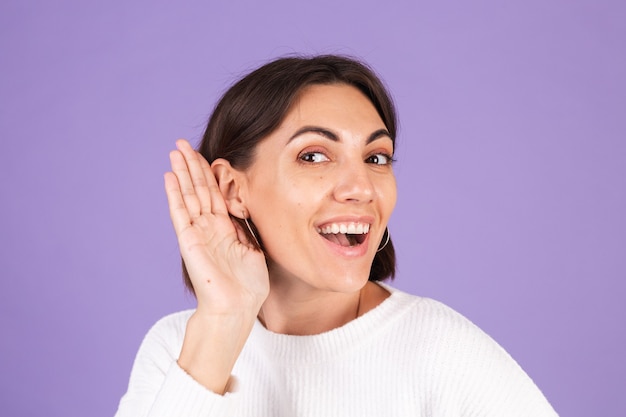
(348,281)
(322,271)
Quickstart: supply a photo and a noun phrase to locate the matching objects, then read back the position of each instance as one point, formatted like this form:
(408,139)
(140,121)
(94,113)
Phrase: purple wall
(512,175)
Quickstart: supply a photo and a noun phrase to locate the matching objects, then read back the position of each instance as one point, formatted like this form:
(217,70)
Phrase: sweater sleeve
(158,387)
(490,382)
(497,386)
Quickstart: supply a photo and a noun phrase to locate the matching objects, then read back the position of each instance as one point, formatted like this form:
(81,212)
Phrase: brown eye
(379,159)
(313,157)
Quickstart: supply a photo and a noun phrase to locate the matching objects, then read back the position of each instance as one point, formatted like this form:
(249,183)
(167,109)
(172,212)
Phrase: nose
(354,184)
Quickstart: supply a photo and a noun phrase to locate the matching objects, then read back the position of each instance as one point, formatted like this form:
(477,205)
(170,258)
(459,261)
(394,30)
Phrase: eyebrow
(332,136)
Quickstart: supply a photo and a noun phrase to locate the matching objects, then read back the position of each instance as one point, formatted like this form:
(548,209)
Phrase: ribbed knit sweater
(409,356)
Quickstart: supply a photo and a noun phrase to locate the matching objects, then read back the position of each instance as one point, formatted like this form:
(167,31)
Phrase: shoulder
(172,324)
(437,328)
(437,335)
(459,356)
(159,349)
(164,339)
(428,316)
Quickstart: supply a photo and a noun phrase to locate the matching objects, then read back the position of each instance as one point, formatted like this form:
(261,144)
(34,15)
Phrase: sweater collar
(333,343)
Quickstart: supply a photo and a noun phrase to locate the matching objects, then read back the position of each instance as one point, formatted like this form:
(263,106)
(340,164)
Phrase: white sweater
(409,356)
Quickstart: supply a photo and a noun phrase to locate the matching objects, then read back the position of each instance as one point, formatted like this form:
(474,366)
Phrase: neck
(316,311)
(308,313)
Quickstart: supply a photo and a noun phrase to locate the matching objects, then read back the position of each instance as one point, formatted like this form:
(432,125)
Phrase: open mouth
(345,234)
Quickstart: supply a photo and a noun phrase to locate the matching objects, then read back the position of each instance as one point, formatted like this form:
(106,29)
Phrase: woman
(283,234)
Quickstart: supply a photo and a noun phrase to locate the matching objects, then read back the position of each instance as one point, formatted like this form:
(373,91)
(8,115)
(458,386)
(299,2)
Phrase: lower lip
(348,251)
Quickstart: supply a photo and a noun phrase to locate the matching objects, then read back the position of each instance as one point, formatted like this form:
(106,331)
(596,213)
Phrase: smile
(345,234)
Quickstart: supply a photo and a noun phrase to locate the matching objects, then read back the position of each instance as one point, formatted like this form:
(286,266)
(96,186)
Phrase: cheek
(306,191)
(388,193)
(281,199)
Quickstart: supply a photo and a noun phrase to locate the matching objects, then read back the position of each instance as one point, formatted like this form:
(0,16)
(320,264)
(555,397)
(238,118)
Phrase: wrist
(212,345)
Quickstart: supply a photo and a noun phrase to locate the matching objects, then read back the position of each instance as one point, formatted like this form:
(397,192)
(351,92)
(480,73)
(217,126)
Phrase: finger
(180,169)
(178,211)
(198,176)
(217,203)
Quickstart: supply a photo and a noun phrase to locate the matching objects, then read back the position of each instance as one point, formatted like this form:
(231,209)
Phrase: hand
(228,275)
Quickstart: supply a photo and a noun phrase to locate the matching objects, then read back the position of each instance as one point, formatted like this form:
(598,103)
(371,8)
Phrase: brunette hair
(256,105)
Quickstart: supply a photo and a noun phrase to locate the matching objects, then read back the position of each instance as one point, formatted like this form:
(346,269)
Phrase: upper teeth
(351,228)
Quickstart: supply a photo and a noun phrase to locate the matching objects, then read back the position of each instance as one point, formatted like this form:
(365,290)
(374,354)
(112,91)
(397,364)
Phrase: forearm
(211,347)
(159,387)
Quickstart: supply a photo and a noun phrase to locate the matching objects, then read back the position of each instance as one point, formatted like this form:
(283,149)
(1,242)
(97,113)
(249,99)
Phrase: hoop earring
(245,219)
(386,240)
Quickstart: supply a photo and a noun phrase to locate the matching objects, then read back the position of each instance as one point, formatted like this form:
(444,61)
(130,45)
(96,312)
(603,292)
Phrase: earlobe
(230,183)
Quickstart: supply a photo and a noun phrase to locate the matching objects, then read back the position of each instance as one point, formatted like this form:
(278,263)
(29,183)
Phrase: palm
(226,272)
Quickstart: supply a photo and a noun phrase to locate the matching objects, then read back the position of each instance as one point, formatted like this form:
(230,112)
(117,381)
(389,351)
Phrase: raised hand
(225,270)
(229,276)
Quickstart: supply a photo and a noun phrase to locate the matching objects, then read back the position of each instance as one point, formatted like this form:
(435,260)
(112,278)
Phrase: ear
(231,183)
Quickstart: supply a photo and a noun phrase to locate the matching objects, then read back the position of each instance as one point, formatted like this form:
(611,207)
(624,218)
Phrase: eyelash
(388,157)
(304,157)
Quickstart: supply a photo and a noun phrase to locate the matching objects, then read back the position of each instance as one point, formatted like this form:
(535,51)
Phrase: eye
(313,157)
(379,159)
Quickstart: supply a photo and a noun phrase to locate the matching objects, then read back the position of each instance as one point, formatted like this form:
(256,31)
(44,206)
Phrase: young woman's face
(321,190)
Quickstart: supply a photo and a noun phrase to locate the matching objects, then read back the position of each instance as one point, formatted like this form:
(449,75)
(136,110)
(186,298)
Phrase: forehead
(342,112)
(333,103)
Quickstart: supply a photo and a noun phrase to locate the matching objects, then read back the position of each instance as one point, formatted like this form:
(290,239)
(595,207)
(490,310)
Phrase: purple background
(512,175)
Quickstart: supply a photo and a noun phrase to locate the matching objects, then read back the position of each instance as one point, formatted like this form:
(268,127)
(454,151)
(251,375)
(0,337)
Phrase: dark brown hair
(256,105)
